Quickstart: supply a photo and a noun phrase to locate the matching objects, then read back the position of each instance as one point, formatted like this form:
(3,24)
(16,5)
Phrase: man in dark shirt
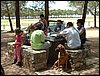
(82,31)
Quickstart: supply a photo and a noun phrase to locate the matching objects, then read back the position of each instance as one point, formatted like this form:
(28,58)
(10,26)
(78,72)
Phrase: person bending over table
(72,37)
(37,39)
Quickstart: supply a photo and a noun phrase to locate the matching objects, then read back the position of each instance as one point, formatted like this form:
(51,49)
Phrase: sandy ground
(92,36)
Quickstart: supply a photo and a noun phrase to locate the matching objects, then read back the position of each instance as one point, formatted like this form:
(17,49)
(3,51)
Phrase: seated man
(45,26)
(37,39)
(82,31)
(59,27)
(72,37)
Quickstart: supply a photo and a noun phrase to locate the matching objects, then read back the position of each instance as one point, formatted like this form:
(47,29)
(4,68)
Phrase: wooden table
(53,55)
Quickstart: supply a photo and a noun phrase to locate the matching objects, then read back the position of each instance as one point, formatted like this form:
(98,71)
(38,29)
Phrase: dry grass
(25,22)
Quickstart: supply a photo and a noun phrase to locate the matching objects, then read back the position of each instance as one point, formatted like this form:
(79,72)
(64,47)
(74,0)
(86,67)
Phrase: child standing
(18,50)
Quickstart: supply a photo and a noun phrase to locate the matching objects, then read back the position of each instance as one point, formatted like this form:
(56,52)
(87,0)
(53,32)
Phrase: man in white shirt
(72,37)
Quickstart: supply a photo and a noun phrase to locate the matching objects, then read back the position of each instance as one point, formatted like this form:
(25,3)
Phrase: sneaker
(19,64)
(14,61)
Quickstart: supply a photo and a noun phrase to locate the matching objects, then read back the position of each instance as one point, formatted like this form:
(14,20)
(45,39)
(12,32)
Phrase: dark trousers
(79,47)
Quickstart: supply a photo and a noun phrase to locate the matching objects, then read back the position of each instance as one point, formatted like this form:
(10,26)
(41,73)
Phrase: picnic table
(55,41)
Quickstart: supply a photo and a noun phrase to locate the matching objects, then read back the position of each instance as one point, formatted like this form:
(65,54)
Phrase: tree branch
(91,11)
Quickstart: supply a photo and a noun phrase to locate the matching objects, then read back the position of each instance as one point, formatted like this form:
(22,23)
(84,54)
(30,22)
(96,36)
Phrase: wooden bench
(32,59)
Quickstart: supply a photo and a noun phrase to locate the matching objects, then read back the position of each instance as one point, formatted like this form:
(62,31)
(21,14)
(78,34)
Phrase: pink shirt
(18,39)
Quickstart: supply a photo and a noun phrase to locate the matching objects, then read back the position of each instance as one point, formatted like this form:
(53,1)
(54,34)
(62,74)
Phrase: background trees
(92,7)
(18,6)
(7,9)
(38,7)
(84,11)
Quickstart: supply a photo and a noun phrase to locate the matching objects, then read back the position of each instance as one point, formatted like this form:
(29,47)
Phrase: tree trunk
(47,11)
(95,18)
(9,19)
(10,23)
(17,15)
(84,11)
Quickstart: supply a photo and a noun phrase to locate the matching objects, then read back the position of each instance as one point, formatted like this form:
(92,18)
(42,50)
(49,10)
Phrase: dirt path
(92,36)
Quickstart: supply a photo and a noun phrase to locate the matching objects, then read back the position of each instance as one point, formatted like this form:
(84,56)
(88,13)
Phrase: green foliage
(92,5)
(11,7)
(78,5)
(37,8)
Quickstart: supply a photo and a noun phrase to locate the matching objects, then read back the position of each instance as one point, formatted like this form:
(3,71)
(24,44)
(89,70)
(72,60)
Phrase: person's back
(73,39)
(37,39)
(71,36)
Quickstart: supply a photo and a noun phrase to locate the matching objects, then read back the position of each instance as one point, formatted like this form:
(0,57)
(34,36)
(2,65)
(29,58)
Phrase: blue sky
(58,5)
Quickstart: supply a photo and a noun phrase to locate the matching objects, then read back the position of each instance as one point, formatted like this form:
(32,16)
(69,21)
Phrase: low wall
(78,57)
(32,59)
(36,60)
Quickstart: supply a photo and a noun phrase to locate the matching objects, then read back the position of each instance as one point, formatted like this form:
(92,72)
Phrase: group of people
(74,37)
(35,37)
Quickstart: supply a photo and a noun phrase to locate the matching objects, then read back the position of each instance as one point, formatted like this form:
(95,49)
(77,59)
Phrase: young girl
(17,45)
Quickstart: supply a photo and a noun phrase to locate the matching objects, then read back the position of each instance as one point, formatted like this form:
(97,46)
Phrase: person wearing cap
(59,27)
(82,31)
(37,39)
